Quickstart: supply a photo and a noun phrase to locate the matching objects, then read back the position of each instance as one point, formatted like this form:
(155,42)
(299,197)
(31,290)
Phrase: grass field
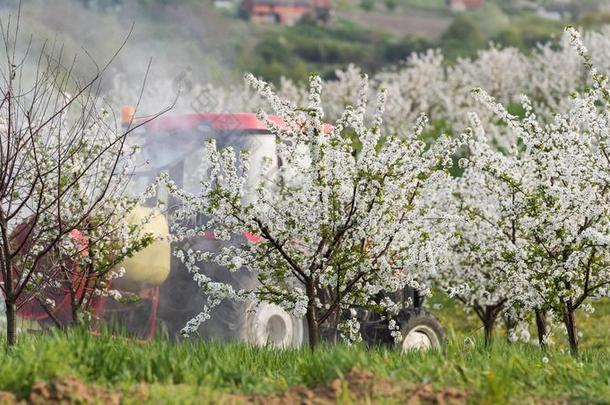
(80,367)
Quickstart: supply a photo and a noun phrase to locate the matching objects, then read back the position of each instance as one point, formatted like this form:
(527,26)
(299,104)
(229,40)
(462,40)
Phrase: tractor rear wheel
(269,325)
(420,331)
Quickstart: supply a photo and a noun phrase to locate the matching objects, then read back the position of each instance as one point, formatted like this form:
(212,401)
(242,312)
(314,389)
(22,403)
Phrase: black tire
(420,331)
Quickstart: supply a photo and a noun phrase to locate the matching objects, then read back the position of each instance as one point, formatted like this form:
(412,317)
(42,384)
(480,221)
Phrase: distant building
(461,5)
(285,11)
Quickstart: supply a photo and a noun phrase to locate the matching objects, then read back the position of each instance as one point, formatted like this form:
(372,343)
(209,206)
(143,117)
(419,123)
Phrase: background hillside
(208,43)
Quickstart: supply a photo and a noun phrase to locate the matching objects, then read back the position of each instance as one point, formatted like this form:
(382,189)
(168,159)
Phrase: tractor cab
(175,145)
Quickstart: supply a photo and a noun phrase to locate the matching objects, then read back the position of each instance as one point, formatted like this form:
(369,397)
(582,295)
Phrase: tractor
(168,296)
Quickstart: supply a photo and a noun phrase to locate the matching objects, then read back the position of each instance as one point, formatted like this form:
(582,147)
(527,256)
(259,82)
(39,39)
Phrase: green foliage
(328,51)
(534,30)
(367,5)
(463,29)
(462,38)
(296,51)
(509,38)
(397,51)
(390,4)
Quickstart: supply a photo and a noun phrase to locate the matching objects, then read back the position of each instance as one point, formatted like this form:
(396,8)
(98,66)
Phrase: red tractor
(160,293)
(168,296)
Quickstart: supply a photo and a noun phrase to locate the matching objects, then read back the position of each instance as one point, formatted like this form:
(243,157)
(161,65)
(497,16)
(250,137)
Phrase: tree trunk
(313,327)
(541,327)
(6,273)
(510,324)
(570,324)
(11,323)
(488,326)
(490,314)
(312,319)
(335,318)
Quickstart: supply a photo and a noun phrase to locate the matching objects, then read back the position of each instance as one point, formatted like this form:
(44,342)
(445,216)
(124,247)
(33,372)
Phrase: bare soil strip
(357,387)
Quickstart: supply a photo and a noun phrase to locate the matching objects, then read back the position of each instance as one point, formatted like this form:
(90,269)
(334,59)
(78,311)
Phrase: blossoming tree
(61,162)
(549,197)
(482,218)
(339,223)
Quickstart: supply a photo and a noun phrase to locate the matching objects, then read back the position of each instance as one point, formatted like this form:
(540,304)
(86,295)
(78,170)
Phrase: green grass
(505,373)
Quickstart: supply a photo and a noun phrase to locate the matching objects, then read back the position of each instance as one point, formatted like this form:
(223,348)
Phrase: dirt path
(400,25)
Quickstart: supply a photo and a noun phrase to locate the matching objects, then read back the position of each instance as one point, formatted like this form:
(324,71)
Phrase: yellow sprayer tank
(149,267)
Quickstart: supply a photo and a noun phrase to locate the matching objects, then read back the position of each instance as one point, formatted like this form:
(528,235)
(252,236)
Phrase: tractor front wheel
(420,331)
